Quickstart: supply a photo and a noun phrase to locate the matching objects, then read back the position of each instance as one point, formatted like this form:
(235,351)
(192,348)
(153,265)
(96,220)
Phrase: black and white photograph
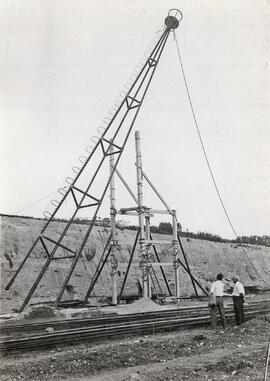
(135,190)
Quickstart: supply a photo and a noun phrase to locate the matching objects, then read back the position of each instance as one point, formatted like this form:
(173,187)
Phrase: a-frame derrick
(86,196)
(88,189)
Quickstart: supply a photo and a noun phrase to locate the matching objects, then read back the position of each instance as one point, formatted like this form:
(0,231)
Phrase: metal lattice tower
(151,268)
(89,188)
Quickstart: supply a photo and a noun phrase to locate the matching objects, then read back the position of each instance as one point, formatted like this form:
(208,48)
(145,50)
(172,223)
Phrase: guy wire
(207,160)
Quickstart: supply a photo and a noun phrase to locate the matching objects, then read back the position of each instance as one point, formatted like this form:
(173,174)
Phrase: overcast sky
(63,64)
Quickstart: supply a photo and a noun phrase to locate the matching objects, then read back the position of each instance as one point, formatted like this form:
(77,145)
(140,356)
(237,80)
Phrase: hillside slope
(206,258)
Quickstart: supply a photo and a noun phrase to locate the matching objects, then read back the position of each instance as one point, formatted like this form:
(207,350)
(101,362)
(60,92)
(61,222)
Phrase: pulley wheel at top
(173,18)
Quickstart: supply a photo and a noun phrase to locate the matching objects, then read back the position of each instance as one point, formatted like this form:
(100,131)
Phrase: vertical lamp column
(175,255)
(142,248)
(113,260)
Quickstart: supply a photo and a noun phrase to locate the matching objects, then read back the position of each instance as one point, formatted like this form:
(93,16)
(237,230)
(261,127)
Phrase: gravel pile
(139,306)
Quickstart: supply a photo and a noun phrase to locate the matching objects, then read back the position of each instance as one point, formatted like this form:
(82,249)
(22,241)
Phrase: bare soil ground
(194,354)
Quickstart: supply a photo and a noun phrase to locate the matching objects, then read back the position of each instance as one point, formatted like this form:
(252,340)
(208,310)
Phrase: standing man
(238,300)
(217,292)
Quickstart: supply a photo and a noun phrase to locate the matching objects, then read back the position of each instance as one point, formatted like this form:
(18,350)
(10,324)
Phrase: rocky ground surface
(194,354)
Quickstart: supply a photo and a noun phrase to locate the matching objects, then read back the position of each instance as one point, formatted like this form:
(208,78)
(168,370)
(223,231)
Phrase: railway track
(70,331)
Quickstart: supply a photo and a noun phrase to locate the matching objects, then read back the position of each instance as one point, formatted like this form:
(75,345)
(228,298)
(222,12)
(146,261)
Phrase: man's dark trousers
(238,303)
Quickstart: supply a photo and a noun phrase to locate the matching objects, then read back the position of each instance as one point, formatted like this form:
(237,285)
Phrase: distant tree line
(254,239)
(165,228)
(203,235)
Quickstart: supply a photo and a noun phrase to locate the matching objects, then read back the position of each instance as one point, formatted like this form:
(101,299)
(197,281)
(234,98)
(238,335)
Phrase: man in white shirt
(216,293)
(238,300)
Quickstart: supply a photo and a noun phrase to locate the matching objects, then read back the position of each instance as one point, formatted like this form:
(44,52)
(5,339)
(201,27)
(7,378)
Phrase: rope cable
(206,157)
(33,203)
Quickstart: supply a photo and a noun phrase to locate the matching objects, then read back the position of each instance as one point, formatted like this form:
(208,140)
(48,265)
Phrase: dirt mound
(146,303)
(39,312)
(141,305)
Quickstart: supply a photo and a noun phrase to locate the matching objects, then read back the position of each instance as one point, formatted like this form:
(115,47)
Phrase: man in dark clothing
(238,300)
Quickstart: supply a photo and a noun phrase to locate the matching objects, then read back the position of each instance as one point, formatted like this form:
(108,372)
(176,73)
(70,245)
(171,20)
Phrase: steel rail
(80,322)
(104,332)
(119,329)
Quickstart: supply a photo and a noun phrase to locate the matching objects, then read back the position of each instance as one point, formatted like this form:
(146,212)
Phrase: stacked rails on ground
(70,331)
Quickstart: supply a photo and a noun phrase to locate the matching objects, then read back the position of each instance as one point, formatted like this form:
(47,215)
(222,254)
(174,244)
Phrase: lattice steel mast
(112,142)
